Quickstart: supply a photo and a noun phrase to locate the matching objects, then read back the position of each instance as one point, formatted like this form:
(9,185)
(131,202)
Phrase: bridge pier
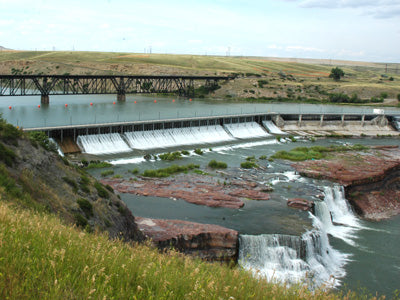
(121,97)
(44,99)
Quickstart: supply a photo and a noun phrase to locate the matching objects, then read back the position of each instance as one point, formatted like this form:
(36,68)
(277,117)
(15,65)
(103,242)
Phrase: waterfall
(171,137)
(102,143)
(246,130)
(308,259)
(272,128)
(336,217)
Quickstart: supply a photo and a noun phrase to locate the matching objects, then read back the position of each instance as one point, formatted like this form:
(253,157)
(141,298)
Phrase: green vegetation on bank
(165,172)
(315,152)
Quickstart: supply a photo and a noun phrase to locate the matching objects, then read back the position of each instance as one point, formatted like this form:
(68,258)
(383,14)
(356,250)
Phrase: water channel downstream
(355,253)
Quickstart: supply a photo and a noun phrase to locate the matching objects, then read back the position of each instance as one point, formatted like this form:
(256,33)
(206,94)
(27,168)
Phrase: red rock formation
(302,204)
(371,179)
(209,242)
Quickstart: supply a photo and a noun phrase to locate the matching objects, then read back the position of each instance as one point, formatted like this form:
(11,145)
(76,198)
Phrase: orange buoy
(38,106)
(190,99)
(91,103)
(9,107)
(173,100)
(135,101)
(155,101)
(114,102)
(66,105)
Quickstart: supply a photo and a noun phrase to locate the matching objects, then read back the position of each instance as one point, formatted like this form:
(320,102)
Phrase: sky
(362,30)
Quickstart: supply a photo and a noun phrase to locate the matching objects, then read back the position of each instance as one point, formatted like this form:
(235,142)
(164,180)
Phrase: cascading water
(163,138)
(272,128)
(102,143)
(310,258)
(246,130)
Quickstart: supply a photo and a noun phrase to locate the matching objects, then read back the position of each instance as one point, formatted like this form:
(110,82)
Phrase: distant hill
(3,48)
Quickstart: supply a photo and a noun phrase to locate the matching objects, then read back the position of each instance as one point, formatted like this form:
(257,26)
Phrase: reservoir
(354,254)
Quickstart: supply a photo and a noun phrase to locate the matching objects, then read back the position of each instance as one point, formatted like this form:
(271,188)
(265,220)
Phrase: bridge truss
(45,85)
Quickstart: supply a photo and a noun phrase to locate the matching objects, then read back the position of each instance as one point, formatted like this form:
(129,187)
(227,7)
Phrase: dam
(119,137)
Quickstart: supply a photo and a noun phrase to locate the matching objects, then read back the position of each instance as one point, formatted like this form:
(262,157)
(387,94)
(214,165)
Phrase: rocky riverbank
(371,179)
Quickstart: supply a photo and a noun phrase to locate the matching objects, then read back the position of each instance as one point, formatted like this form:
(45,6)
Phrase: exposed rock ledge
(193,188)
(371,179)
(209,242)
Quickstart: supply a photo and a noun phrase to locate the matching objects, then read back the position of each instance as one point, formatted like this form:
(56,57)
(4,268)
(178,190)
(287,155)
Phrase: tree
(336,73)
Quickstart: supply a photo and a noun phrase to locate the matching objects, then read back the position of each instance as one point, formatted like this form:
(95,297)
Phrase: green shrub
(135,171)
(248,165)
(384,95)
(292,138)
(262,157)
(185,152)
(8,133)
(43,140)
(262,82)
(217,164)
(198,151)
(170,156)
(147,156)
(398,97)
(251,158)
(80,220)
(101,191)
(86,206)
(71,182)
(85,179)
(107,173)
(7,155)
(339,98)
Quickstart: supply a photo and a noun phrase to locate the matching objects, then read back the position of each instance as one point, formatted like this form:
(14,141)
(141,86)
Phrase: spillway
(246,130)
(272,128)
(102,143)
(164,138)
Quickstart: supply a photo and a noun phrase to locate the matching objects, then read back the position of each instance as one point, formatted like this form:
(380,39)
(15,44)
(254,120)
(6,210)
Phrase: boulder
(209,242)
(302,204)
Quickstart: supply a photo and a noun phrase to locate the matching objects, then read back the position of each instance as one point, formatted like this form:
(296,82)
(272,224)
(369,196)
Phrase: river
(357,253)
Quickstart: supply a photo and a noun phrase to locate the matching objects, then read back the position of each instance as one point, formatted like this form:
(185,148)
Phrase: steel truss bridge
(46,85)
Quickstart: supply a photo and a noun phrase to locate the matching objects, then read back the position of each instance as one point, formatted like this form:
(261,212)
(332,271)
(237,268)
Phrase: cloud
(303,49)
(381,9)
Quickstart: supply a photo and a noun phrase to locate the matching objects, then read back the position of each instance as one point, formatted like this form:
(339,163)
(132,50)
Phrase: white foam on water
(272,128)
(102,143)
(223,149)
(289,259)
(246,130)
(124,161)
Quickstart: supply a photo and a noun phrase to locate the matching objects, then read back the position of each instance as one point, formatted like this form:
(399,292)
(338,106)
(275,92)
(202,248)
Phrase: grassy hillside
(44,259)
(259,78)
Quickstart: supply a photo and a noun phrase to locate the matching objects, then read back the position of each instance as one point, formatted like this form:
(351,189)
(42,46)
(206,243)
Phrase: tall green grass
(44,259)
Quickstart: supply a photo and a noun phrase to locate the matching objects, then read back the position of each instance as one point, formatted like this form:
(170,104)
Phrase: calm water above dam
(358,253)
(25,113)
